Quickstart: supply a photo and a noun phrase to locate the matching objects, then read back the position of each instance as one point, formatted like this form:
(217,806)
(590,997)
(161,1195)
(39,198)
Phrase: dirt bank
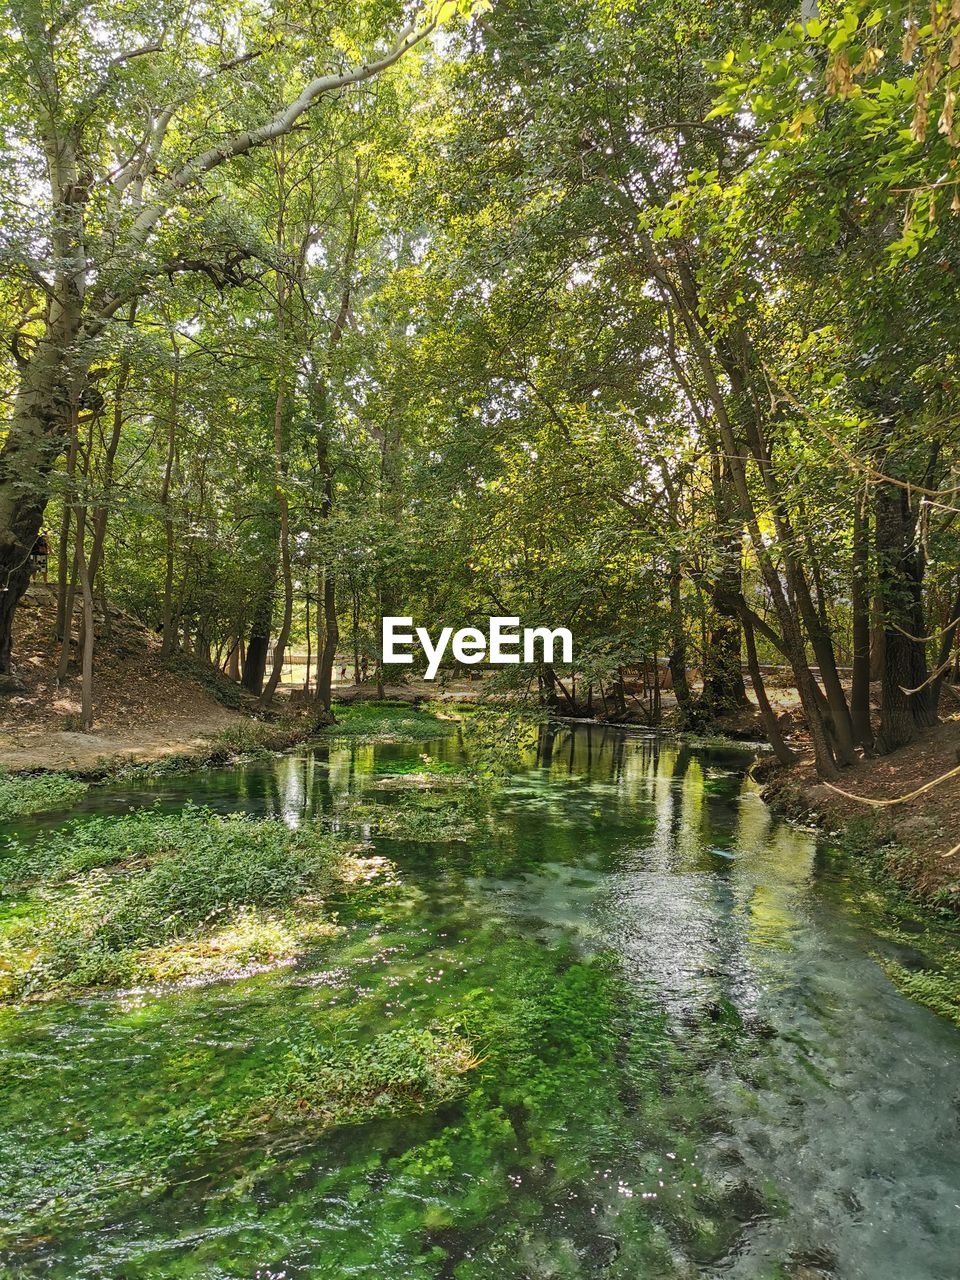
(143,708)
(916,841)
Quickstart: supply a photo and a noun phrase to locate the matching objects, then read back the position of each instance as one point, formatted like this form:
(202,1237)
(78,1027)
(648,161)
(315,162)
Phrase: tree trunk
(168,621)
(65,577)
(678,650)
(306,678)
(771,725)
(38,431)
(331,638)
(724,692)
(355,621)
(255,657)
(947,641)
(900,576)
(860,610)
(280,465)
(86,661)
(232,666)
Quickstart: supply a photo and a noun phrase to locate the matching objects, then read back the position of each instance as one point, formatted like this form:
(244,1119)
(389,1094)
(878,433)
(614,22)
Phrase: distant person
(343,675)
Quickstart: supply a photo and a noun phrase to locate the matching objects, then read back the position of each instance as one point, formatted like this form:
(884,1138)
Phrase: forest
(638,318)
(322,314)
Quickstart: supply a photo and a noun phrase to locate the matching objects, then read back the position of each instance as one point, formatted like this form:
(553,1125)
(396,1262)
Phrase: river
(707,1072)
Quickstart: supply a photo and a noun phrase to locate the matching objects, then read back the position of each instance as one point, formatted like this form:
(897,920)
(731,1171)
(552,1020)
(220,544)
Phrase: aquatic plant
(340,1082)
(425,771)
(421,814)
(388,721)
(938,989)
(163,895)
(22,794)
(136,838)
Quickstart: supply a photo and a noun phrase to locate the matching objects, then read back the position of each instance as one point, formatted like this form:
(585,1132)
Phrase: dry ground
(142,710)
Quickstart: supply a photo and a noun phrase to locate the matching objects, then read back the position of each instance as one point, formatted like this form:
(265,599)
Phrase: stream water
(708,1072)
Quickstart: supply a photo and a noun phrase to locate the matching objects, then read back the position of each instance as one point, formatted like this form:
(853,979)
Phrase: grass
(153,896)
(22,794)
(398,1072)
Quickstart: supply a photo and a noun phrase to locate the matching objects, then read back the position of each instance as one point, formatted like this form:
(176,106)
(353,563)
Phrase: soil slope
(142,709)
(923,833)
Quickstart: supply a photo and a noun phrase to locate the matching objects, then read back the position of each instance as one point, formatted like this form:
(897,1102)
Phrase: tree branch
(279,124)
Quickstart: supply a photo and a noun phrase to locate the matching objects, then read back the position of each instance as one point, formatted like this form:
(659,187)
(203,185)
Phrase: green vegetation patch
(938,989)
(398,1072)
(388,722)
(422,814)
(881,886)
(155,896)
(421,774)
(22,794)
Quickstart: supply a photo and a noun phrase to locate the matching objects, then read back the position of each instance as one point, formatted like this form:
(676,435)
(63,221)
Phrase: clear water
(713,1075)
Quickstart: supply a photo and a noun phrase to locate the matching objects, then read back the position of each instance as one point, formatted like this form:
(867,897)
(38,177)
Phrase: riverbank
(149,709)
(909,834)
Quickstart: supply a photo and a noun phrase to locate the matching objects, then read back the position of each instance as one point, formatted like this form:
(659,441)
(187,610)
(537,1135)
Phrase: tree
(115,121)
